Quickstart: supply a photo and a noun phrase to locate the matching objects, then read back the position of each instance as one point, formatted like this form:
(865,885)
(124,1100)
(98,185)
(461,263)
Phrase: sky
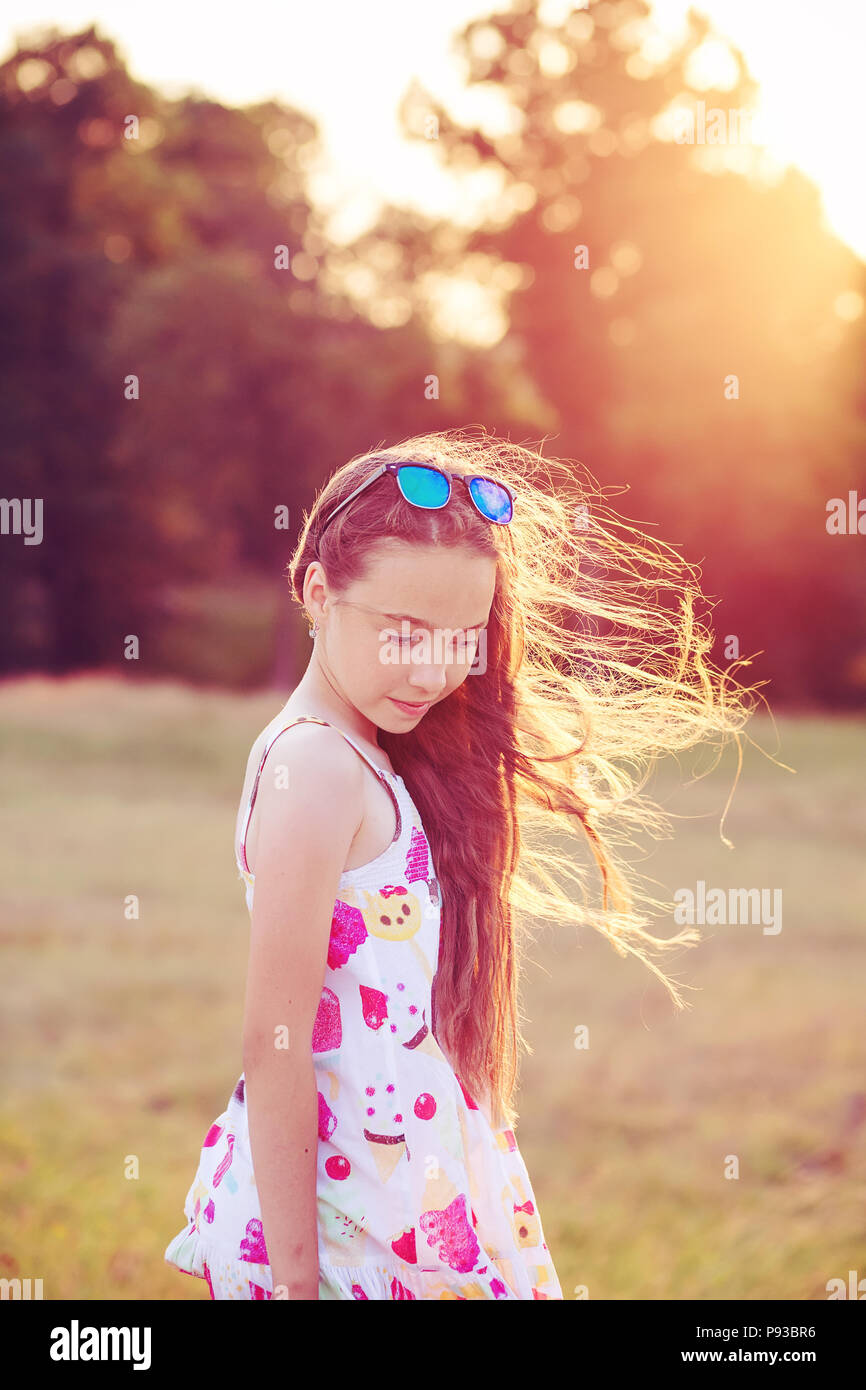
(348,66)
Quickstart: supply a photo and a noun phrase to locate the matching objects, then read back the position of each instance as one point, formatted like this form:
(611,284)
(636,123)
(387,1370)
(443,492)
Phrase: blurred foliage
(156,256)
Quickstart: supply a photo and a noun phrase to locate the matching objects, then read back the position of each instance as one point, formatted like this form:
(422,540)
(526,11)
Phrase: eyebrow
(422,622)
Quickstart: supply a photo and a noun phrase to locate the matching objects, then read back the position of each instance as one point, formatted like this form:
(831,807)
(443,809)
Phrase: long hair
(595,667)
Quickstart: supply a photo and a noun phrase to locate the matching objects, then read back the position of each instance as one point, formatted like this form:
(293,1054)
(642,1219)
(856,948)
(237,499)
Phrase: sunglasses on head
(427,486)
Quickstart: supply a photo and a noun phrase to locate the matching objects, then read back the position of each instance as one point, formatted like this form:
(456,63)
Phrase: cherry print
(425,1106)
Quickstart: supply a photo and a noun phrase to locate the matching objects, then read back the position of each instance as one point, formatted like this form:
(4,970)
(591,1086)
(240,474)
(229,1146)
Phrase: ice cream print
(393,914)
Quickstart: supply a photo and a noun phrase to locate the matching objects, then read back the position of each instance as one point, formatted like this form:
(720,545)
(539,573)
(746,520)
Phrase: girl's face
(408,632)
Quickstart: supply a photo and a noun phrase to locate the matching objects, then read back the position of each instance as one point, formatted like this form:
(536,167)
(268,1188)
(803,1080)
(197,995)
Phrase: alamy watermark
(720,907)
(20,512)
(20,1289)
(76,1343)
(440,647)
(718,125)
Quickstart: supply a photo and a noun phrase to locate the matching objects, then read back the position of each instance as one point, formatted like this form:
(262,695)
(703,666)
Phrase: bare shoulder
(310,793)
(298,746)
(314,754)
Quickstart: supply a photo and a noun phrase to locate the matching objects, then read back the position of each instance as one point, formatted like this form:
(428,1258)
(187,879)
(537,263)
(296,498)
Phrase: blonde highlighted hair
(596,666)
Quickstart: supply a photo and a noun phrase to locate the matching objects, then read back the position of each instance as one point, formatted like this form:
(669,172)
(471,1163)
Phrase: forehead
(433,586)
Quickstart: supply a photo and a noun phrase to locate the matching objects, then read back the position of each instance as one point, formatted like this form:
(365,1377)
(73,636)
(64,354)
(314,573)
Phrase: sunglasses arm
(352,495)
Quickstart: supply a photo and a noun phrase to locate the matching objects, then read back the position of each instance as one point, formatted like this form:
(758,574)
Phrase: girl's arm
(305,830)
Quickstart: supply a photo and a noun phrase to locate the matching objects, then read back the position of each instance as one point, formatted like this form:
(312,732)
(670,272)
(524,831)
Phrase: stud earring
(314,630)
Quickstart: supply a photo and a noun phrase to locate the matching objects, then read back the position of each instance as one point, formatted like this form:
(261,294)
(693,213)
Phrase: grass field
(121,1039)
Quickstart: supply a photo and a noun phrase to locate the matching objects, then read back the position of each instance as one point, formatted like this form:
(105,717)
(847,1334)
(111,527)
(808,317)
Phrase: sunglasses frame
(394,467)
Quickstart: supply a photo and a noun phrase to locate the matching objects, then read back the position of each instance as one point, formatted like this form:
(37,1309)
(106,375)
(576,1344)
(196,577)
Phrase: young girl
(486,631)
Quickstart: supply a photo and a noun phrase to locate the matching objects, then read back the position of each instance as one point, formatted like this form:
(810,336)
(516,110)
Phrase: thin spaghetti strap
(304,719)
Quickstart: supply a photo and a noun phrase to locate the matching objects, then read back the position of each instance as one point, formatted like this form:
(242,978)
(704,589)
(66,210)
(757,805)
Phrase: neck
(316,693)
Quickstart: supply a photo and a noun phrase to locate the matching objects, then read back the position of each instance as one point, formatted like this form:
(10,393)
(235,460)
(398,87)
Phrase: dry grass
(122,1038)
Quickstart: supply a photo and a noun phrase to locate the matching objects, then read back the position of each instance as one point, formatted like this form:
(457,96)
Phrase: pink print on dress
(404,1246)
(328,1027)
(417,857)
(466,1096)
(209,1211)
(327,1118)
(527,1226)
(212,1136)
(337,1167)
(418,863)
(451,1230)
(253,1248)
(399,1290)
(374,1006)
(226,1162)
(347,934)
(256,1290)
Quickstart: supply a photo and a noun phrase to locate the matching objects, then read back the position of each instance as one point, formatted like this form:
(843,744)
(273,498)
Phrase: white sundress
(418,1196)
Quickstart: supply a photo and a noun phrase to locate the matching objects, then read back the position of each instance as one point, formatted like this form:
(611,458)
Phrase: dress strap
(303,719)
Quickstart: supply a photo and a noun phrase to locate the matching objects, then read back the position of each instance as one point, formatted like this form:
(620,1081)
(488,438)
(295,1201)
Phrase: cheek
(359,666)
(377,674)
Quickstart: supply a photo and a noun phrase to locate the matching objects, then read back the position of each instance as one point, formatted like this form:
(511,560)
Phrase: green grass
(121,1039)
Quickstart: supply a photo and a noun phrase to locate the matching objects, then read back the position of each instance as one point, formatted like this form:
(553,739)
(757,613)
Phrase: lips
(409,706)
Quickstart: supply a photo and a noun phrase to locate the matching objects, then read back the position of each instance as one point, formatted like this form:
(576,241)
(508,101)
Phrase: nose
(427,680)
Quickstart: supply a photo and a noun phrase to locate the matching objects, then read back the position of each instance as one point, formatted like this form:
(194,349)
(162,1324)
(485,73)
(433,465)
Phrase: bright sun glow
(808,61)
(349,66)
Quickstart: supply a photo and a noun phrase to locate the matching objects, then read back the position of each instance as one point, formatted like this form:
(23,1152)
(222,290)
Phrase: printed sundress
(418,1196)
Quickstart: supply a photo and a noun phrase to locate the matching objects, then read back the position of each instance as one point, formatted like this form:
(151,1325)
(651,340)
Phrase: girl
(483,628)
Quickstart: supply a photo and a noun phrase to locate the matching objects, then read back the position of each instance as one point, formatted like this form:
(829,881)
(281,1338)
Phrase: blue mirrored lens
(491,498)
(423,486)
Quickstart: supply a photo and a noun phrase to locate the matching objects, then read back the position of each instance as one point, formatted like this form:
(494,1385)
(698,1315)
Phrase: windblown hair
(590,677)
